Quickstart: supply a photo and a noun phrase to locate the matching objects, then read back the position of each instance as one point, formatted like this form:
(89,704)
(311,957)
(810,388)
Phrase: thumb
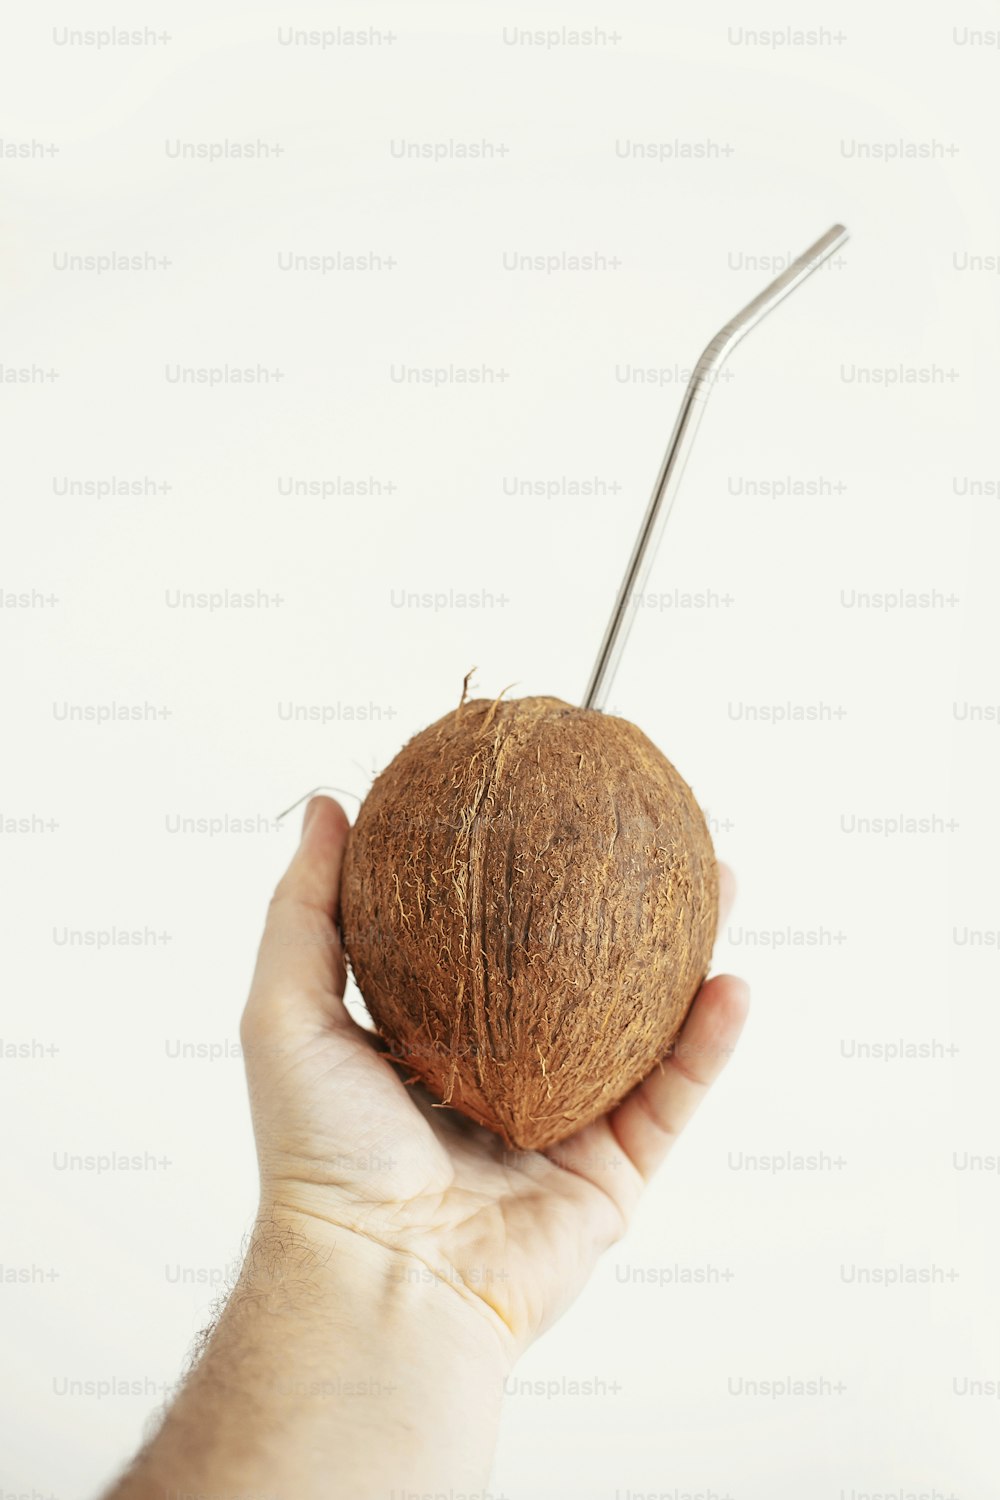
(300,973)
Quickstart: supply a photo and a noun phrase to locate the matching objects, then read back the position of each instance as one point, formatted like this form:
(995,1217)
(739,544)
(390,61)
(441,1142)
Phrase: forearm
(336,1370)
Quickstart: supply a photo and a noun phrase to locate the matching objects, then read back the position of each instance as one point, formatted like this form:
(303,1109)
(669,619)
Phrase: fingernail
(311,810)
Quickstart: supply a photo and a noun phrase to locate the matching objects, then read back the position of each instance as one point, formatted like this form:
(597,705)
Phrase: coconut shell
(529,903)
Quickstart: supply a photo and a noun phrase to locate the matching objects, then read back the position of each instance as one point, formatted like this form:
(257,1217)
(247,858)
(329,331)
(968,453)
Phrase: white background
(896,492)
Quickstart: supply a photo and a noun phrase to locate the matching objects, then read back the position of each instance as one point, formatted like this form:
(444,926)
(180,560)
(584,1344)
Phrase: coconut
(529,902)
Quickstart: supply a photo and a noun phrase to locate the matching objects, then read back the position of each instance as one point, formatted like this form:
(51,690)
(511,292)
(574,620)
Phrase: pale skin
(402,1258)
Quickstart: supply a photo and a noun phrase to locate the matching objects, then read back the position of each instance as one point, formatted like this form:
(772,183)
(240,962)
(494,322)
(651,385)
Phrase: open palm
(343,1141)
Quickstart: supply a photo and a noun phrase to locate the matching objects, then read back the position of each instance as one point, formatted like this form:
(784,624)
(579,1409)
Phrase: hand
(359,1160)
(402,1257)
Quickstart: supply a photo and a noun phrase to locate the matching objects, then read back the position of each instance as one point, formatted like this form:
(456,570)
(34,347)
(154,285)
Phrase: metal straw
(669,477)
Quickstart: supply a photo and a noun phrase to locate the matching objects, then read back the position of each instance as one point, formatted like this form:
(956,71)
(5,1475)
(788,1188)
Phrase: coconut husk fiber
(529,902)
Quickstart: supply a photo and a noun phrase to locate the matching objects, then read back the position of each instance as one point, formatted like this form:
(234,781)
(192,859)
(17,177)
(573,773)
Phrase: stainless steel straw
(669,478)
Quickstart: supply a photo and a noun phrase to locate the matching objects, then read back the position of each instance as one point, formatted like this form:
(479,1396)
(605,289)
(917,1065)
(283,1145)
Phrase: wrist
(301,1264)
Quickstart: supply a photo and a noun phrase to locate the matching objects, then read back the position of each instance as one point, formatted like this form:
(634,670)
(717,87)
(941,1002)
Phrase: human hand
(353,1157)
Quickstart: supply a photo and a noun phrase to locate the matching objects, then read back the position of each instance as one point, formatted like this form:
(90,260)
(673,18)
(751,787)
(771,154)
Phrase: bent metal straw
(681,439)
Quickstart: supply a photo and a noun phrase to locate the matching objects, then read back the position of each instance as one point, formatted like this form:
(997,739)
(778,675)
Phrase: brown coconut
(529,902)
